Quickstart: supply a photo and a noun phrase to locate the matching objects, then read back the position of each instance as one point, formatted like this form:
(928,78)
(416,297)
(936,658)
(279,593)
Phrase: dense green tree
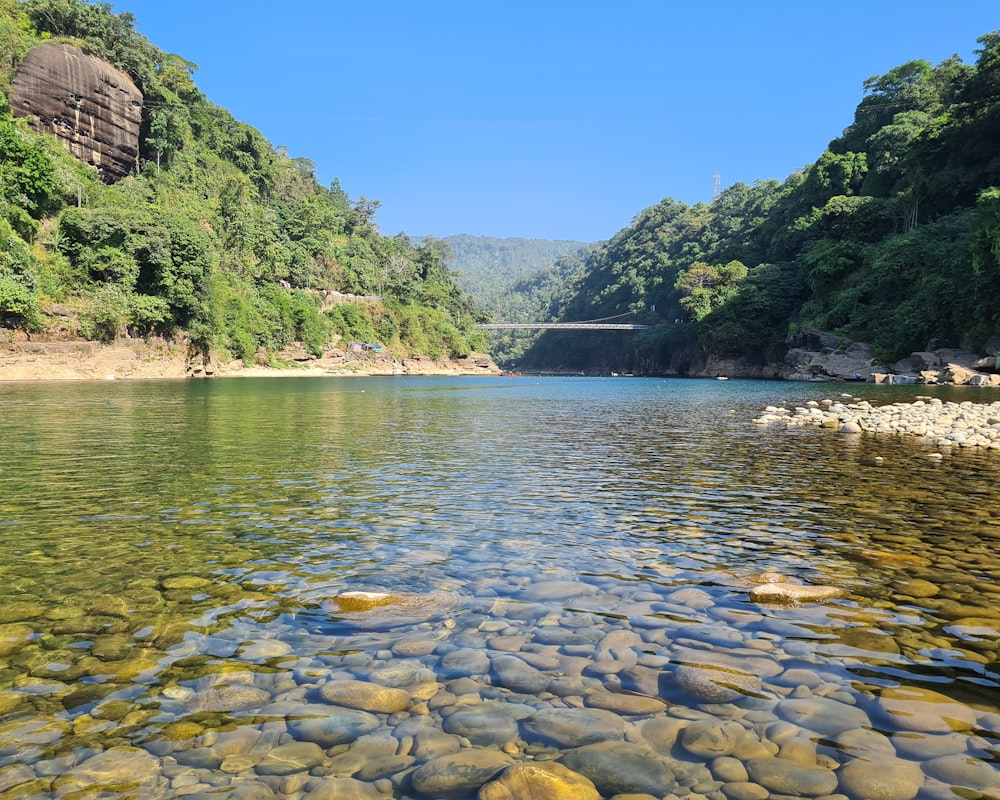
(216,234)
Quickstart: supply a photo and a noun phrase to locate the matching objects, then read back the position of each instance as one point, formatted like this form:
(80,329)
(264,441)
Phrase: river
(409,587)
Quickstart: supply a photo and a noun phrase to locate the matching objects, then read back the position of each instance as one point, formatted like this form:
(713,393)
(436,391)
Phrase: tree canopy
(890,236)
(216,234)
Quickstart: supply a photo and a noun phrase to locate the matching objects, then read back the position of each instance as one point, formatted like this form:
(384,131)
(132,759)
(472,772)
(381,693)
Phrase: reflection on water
(400,588)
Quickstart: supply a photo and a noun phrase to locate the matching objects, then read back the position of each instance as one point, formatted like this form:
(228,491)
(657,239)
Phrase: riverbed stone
(662,733)
(622,767)
(458,774)
(914,708)
(884,778)
(557,590)
(692,597)
(289,758)
(925,746)
(463,663)
(434,743)
(342,789)
(419,644)
(745,790)
(716,685)
(822,715)
(517,675)
(916,587)
(244,790)
(794,593)
(487,724)
(13,636)
(781,776)
(328,726)
(573,727)
(710,738)
(365,696)
(728,769)
(965,771)
(123,770)
(542,780)
(19,610)
(235,696)
(628,704)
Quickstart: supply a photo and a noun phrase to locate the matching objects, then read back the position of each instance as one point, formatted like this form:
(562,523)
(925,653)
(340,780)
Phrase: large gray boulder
(89,105)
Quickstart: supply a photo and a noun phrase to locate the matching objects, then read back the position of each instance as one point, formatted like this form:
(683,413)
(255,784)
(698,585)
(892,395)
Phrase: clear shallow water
(569,563)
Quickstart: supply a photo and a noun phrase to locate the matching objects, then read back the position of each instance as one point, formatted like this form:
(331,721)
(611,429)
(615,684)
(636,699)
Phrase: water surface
(566,566)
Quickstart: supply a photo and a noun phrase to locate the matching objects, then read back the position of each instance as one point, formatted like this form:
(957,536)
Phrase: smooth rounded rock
(329,727)
(794,593)
(286,759)
(342,789)
(716,685)
(557,590)
(913,708)
(711,738)
(622,767)
(484,725)
(628,704)
(781,776)
(822,715)
(728,769)
(365,696)
(127,769)
(573,727)
(881,779)
(925,746)
(458,774)
(745,790)
(517,675)
(543,780)
(964,771)
(463,663)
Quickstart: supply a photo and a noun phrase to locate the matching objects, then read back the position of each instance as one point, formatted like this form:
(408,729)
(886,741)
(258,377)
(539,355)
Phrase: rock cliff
(91,106)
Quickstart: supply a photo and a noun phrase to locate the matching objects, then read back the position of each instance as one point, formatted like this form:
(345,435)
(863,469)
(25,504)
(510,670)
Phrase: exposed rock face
(93,108)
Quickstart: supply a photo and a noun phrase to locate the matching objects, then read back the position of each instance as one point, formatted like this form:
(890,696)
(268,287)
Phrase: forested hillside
(214,237)
(488,267)
(515,280)
(892,237)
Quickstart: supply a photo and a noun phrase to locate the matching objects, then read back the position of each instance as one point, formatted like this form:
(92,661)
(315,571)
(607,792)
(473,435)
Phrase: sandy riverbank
(138,359)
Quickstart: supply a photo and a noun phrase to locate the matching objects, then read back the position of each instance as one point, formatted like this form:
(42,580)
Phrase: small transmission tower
(715,187)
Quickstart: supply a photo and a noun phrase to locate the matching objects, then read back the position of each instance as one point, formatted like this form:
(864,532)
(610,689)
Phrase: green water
(159,535)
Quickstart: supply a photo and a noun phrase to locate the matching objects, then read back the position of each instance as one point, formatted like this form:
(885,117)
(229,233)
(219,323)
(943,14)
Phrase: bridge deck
(565,326)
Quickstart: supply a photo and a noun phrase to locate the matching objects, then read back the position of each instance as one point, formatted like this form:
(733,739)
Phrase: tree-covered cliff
(892,237)
(214,233)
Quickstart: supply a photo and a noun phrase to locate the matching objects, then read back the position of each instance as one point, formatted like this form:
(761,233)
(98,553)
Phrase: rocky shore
(822,357)
(161,359)
(939,423)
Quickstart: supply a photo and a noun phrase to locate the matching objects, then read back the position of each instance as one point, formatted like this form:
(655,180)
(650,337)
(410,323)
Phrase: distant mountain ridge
(488,268)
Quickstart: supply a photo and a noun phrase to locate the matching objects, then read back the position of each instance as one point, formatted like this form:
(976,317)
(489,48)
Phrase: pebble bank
(939,423)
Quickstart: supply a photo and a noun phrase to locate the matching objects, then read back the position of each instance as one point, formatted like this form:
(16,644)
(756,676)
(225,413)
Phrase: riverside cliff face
(90,106)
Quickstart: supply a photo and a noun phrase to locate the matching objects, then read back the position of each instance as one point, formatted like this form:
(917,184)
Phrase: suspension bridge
(603,324)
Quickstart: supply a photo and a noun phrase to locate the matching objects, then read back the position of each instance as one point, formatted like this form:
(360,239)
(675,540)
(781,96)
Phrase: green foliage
(216,234)
(703,288)
(27,178)
(892,236)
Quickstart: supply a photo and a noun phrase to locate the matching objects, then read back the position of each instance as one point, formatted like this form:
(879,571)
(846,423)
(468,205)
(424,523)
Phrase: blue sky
(549,119)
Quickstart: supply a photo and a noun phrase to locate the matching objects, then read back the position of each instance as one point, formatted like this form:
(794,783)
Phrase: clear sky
(551,119)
